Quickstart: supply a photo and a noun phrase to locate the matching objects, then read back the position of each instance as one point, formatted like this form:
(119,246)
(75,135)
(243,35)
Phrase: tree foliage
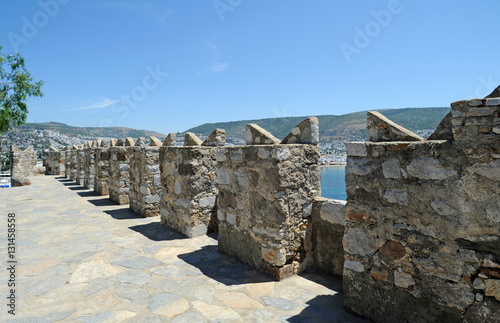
(16,85)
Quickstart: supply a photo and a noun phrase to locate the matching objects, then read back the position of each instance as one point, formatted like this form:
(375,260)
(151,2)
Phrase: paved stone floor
(82,258)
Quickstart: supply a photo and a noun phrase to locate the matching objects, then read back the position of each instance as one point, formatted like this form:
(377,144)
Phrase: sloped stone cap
(97,143)
(381,129)
(170,140)
(306,132)
(30,148)
(105,144)
(112,142)
(190,139)
(443,130)
(494,94)
(141,142)
(53,149)
(256,135)
(216,138)
(153,141)
(120,142)
(129,142)
(14,148)
(76,147)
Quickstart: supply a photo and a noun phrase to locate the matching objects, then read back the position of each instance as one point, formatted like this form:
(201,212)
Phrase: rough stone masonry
(422,238)
(188,176)
(265,200)
(145,183)
(119,171)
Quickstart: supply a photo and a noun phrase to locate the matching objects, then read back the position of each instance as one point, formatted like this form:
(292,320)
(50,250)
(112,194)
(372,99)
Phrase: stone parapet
(67,161)
(54,162)
(89,167)
(145,183)
(72,166)
(264,206)
(188,177)
(423,222)
(328,223)
(101,183)
(119,174)
(22,162)
(80,165)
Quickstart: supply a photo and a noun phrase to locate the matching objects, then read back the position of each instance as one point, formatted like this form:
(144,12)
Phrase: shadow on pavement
(157,232)
(88,194)
(222,268)
(102,201)
(123,214)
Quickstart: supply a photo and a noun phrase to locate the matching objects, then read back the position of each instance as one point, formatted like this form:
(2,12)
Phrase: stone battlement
(418,238)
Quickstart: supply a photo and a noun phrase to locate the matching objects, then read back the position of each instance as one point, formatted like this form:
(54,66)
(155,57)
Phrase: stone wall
(89,167)
(119,171)
(145,183)
(80,165)
(54,162)
(22,162)
(265,201)
(67,161)
(328,223)
(72,165)
(188,176)
(422,237)
(101,183)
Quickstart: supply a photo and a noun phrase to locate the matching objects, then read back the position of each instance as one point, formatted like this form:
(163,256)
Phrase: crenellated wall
(188,176)
(422,237)
(417,240)
(145,183)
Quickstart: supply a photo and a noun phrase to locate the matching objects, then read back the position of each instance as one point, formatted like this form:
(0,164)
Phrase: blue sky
(174,64)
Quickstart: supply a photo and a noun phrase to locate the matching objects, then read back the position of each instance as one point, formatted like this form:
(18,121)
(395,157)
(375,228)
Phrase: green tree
(16,85)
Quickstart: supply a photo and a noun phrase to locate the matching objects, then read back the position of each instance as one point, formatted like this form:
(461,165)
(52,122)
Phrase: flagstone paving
(83,258)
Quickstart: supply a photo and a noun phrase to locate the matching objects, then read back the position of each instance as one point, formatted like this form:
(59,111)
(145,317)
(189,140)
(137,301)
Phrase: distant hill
(112,132)
(332,127)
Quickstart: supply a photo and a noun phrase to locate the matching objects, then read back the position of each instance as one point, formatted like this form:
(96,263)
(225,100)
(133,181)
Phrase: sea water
(333,182)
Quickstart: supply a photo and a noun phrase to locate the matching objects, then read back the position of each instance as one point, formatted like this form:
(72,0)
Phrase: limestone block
(255,135)
(216,138)
(120,142)
(190,139)
(306,132)
(129,142)
(381,129)
(153,141)
(141,142)
(170,140)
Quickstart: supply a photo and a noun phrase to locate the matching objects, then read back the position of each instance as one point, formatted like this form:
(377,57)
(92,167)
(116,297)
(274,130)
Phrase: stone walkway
(82,258)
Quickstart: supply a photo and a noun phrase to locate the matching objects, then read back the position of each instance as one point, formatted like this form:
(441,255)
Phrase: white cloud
(103,103)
